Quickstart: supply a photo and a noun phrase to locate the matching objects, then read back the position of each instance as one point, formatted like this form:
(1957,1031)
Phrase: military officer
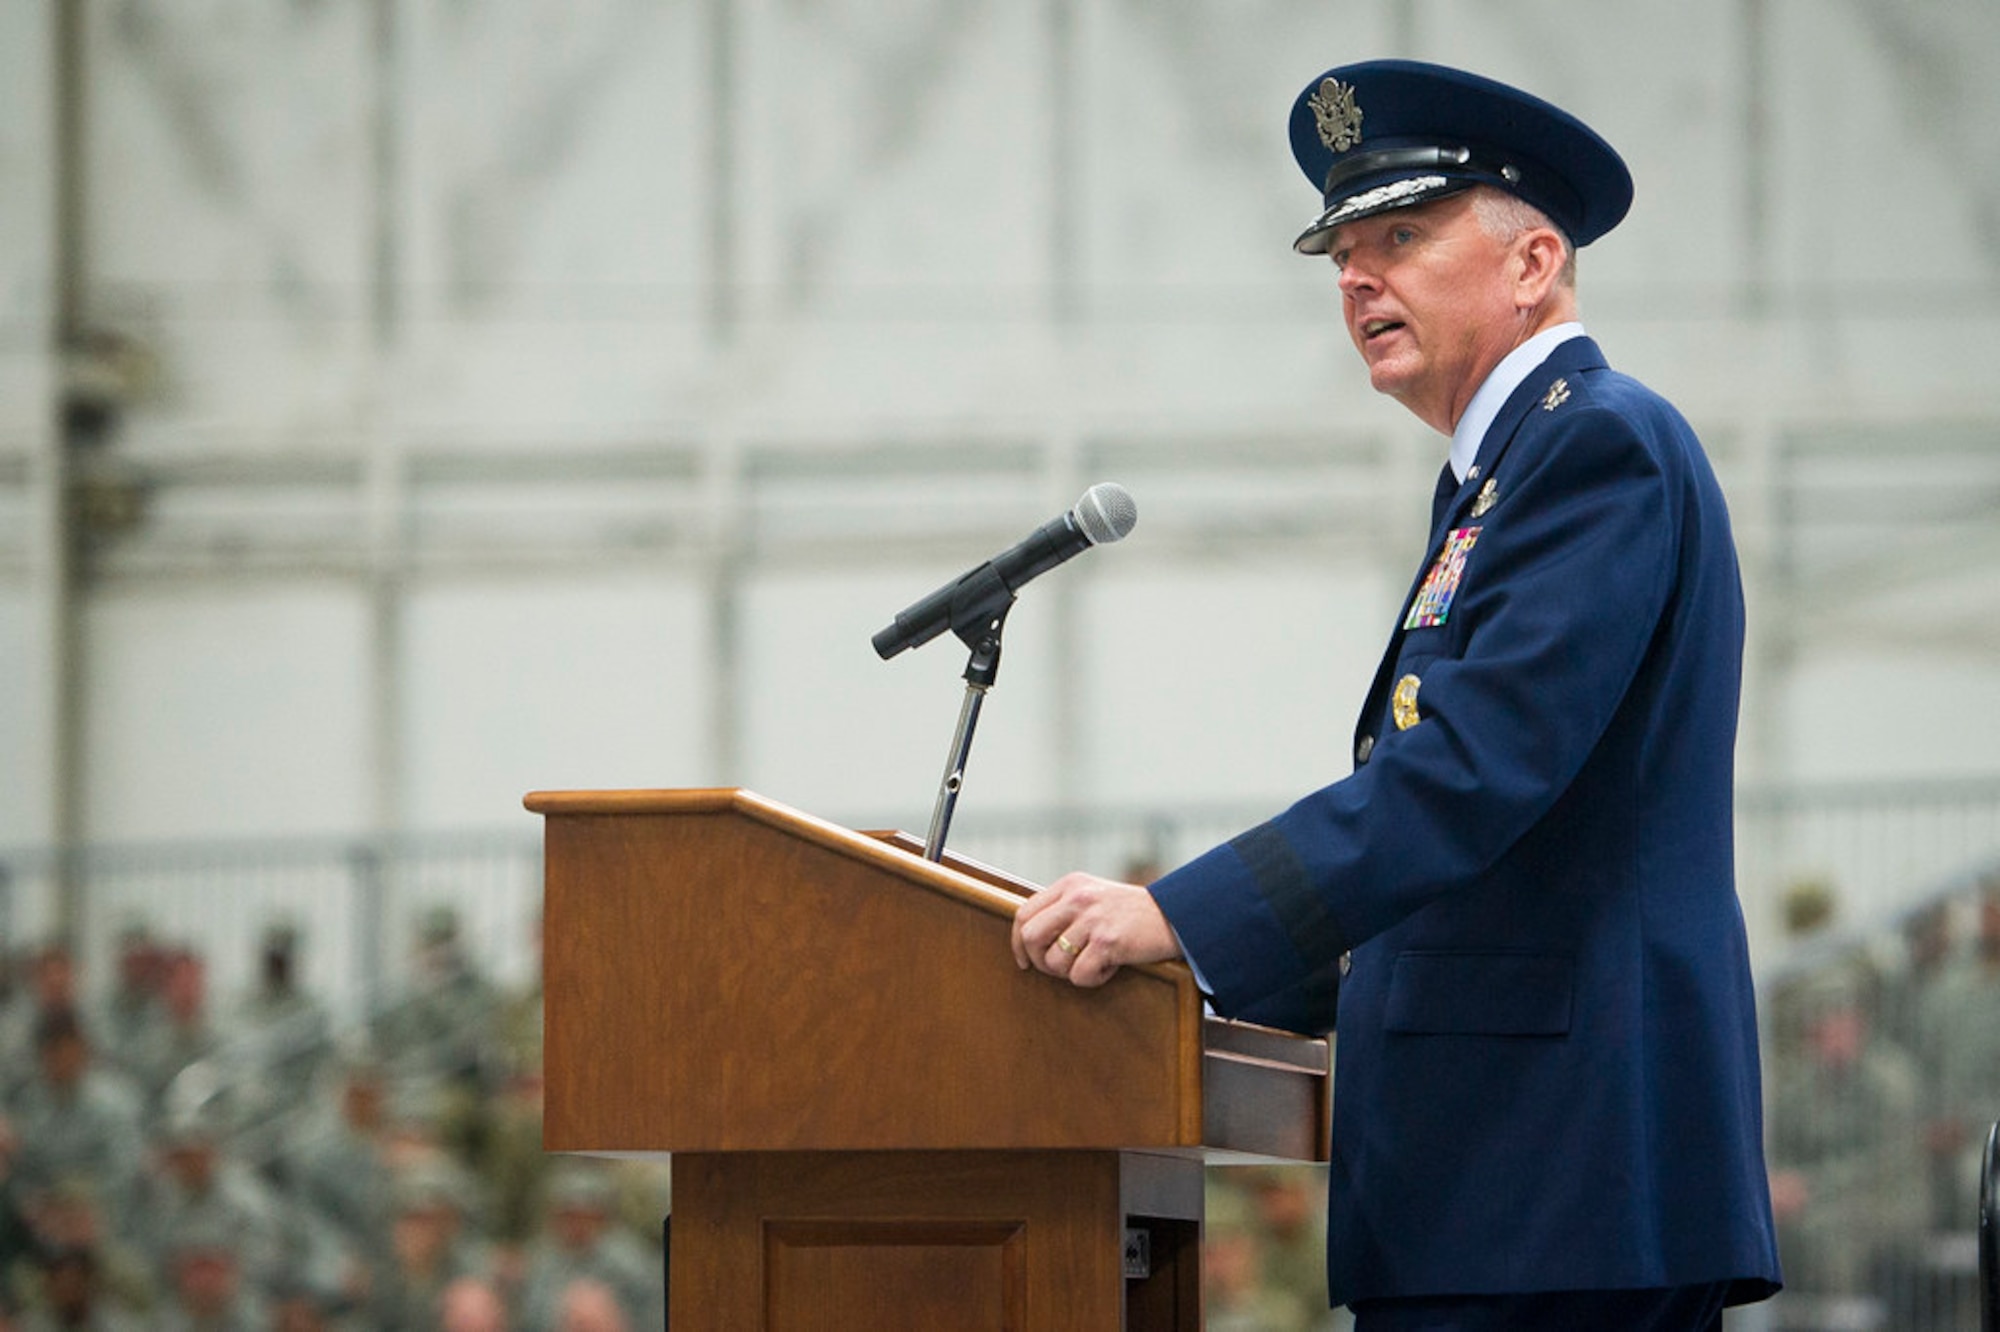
(1523,896)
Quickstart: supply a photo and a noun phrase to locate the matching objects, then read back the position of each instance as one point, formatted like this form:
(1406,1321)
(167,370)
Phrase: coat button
(1363,748)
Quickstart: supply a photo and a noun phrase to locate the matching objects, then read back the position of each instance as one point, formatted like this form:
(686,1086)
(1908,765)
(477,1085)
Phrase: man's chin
(1389,378)
(1407,389)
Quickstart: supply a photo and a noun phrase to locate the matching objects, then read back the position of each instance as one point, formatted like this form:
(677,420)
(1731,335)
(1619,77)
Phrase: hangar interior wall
(406,404)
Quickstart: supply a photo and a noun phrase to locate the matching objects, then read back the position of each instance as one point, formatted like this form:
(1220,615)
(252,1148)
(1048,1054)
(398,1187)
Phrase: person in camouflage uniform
(338,1173)
(1843,1140)
(581,1241)
(284,1032)
(431,1246)
(1958,1047)
(75,1120)
(438,1037)
(513,1163)
(51,988)
(70,1297)
(179,1037)
(206,1289)
(134,1007)
(197,1186)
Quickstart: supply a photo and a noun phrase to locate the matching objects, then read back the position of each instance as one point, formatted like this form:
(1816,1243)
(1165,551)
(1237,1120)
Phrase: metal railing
(1877,850)
(356,906)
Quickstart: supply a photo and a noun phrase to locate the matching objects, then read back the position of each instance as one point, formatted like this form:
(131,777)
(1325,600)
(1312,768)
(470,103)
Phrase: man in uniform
(285,1029)
(1958,1043)
(76,1119)
(1523,898)
(1846,1165)
(582,1241)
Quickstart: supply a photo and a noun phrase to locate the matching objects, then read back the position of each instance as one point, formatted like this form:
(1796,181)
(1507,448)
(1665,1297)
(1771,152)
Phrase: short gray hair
(1506,216)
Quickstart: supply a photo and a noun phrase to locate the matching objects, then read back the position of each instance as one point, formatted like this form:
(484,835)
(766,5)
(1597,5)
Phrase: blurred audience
(162,1168)
(268,1170)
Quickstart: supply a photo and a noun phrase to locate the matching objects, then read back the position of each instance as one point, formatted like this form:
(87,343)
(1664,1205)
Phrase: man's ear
(1540,255)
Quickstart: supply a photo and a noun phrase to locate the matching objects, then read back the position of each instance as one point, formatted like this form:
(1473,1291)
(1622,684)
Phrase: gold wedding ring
(1062,942)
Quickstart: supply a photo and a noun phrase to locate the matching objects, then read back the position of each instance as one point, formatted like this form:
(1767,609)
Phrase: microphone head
(1106,512)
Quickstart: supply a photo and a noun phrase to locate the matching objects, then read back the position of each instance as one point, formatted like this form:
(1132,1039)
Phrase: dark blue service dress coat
(1547,1073)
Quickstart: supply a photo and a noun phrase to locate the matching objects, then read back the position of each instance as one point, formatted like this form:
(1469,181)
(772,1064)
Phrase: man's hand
(1084,928)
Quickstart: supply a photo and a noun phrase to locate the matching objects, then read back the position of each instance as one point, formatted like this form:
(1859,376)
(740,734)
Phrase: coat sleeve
(1560,598)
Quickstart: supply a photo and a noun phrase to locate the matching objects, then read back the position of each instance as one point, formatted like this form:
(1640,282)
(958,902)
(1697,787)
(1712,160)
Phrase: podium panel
(923,1240)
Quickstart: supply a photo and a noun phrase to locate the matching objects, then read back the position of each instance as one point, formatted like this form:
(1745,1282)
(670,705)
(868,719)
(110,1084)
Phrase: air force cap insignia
(1336,115)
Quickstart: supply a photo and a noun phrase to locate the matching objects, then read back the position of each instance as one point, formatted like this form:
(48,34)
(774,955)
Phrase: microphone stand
(979,609)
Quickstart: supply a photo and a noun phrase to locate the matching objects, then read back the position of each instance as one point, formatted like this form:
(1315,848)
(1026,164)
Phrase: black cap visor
(1364,184)
(1403,192)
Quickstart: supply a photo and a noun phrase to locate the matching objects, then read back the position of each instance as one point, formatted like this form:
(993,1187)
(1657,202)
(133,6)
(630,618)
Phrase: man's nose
(1354,276)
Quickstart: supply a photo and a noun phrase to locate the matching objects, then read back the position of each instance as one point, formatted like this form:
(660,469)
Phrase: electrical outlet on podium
(1138,1253)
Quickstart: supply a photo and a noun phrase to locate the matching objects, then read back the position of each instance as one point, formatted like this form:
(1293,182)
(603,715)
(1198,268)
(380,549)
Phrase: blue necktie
(1446,488)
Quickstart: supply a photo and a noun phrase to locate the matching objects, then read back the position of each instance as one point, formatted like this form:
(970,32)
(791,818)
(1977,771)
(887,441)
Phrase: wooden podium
(876,1120)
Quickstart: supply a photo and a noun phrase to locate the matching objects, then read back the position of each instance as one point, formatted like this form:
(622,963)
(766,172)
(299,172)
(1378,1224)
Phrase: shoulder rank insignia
(1403,703)
(1433,601)
(1557,395)
(1488,495)
(1336,115)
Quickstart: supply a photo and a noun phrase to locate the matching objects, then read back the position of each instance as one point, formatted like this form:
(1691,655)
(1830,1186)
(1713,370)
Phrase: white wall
(28,646)
(550,682)
(540,441)
(228,712)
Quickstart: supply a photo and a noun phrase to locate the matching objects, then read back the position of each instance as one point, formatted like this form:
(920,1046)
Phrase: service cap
(1386,134)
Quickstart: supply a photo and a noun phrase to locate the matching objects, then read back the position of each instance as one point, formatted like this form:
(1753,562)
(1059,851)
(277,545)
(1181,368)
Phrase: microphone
(1104,514)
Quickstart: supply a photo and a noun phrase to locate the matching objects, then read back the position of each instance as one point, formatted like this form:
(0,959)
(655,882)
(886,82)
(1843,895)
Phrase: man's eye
(1339,258)
(1404,235)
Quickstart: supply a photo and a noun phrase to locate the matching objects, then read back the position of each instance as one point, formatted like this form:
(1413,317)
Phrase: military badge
(1557,395)
(1338,118)
(1433,601)
(1486,498)
(1403,703)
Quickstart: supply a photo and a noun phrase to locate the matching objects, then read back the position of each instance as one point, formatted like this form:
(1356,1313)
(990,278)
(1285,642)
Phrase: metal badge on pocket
(1403,703)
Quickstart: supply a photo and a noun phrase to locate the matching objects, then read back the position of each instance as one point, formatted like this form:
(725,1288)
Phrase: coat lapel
(1572,357)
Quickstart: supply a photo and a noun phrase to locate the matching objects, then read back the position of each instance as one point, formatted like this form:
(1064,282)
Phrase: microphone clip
(979,605)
